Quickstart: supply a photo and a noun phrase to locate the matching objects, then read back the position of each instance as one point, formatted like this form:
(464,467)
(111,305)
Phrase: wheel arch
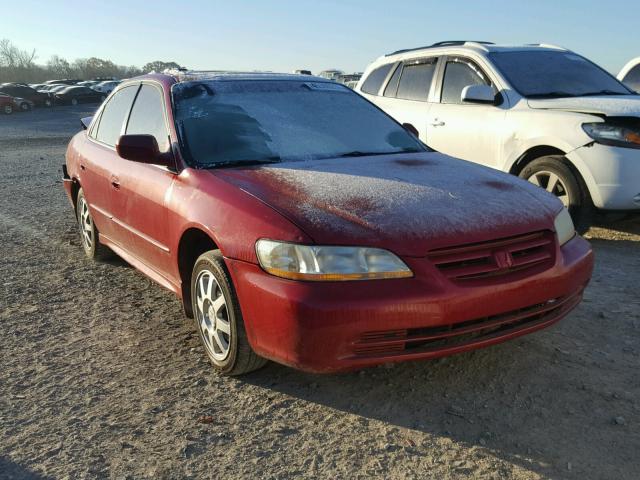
(532,154)
(194,241)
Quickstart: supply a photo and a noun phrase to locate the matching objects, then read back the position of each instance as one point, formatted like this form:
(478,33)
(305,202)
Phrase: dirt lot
(102,377)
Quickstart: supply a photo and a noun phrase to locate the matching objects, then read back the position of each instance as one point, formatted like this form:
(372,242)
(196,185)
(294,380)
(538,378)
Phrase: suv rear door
(465,130)
(406,94)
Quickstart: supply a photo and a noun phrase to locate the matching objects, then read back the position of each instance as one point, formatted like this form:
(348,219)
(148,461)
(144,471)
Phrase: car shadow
(520,401)
(12,470)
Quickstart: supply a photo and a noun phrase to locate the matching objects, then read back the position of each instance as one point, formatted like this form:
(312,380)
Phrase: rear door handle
(82,167)
(438,123)
(115,182)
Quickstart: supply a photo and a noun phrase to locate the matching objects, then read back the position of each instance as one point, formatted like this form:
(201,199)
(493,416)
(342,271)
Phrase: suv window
(458,75)
(114,114)
(633,78)
(374,81)
(147,116)
(392,87)
(415,80)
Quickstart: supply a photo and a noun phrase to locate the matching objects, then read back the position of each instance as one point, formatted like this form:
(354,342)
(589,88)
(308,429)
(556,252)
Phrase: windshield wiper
(604,92)
(557,94)
(244,163)
(358,153)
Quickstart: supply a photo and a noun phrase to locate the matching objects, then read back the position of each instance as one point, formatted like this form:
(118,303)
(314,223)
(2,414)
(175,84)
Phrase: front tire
(555,175)
(218,317)
(89,235)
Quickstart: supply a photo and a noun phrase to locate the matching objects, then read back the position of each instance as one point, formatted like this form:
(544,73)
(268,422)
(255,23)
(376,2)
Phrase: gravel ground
(103,378)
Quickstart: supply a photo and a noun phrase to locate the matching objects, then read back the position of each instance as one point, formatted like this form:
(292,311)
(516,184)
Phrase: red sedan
(301,224)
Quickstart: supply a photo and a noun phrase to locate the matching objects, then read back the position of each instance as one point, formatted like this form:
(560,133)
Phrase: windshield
(254,121)
(547,73)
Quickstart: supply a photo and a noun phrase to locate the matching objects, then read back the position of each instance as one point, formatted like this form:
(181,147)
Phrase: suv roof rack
(546,45)
(183,74)
(446,43)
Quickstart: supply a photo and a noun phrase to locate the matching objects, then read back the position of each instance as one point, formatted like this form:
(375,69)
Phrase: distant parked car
(9,104)
(40,99)
(63,82)
(541,112)
(630,74)
(74,95)
(106,87)
(330,74)
(88,83)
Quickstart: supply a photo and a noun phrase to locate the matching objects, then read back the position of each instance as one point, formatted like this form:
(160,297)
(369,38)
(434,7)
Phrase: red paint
(143,212)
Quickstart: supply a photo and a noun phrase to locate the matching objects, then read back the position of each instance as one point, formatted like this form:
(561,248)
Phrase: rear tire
(218,317)
(74,101)
(555,174)
(25,107)
(7,109)
(89,235)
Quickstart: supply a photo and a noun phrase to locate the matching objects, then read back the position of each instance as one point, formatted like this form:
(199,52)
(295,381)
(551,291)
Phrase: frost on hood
(611,106)
(420,197)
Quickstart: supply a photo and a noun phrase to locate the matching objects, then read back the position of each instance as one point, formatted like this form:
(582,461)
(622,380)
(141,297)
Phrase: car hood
(408,203)
(609,105)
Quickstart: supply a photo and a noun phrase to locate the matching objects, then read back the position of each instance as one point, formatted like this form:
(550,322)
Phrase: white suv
(538,111)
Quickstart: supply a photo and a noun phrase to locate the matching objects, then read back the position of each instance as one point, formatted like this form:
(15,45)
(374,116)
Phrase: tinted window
(374,81)
(548,74)
(633,78)
(457,75)
(271,121)
(392,86)
(113,115)
(147,116)
(415,81)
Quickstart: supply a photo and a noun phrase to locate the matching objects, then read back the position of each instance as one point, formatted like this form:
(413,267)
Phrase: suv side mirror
(140,148)
(478,94)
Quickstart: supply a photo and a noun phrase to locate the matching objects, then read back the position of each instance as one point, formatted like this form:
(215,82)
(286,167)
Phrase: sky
(284,35)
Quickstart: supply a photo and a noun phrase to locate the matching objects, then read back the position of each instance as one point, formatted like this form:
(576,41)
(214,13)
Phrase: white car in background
(106,87)
(540,112)
(630,74)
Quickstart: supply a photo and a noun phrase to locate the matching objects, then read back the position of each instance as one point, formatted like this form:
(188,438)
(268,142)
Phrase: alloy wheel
(85,222)
(552,183)
(212,316)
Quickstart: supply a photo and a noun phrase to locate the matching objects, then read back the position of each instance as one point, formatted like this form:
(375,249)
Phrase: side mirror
(85,122)
(478,94)
(411,129)
(140,148)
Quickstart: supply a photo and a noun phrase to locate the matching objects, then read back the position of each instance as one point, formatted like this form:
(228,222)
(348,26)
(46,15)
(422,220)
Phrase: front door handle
(438,123)
(115,182)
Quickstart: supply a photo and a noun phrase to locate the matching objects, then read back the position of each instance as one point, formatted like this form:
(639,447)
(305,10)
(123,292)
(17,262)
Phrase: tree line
(18,65)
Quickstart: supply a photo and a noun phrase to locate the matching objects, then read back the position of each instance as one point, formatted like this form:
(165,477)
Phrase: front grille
(496,258)
(429,339)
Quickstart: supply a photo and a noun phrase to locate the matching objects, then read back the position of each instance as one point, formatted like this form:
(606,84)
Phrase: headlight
(319,263)
(616,135)
(564,227)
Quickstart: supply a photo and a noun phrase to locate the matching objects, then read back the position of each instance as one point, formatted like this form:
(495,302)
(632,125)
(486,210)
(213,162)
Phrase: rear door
(406,94)
(99,160)
(465,130)
(139,204)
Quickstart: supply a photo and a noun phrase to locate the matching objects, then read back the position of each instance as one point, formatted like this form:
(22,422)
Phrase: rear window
(256,121)
(415,81)
(374,81)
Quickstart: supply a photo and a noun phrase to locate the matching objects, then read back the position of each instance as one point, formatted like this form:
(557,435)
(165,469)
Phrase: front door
(464,130)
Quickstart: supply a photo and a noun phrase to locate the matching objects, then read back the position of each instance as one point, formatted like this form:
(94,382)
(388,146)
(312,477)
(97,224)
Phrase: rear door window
(114,114)
(459,74)
(415,81)
(147,116)
(374,81)
(392,87)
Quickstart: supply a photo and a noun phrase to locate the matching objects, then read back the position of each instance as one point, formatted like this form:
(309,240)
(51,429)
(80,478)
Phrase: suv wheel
(89,235)
(554,174)
(218,317)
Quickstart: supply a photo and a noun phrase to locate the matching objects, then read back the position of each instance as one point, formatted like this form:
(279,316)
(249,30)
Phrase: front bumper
(328,327)
(612,175)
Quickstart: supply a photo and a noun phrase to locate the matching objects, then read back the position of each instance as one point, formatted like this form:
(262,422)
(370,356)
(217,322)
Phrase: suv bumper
(611,175)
